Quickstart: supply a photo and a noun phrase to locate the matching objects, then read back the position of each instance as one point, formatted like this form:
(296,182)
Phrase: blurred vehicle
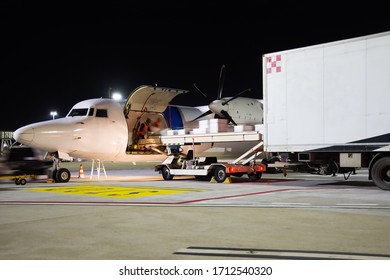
(21,162)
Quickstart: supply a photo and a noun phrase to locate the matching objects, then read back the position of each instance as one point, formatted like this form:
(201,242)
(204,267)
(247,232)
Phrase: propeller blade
(203,115)
(221,81)
(237,95)
(201,91)
(226,114)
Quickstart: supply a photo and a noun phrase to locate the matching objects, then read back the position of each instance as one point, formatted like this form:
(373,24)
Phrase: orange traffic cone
(81,172)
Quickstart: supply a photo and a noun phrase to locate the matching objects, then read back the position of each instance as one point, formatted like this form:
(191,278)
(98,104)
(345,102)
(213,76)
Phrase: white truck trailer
(328,106)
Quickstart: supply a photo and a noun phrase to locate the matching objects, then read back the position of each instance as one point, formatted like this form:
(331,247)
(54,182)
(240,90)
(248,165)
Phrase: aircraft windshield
(78,112)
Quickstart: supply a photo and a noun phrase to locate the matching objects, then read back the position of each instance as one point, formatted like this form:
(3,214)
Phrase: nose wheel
(61,175)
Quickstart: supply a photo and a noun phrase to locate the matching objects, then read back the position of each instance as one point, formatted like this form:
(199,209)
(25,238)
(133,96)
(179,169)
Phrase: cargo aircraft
(106,130)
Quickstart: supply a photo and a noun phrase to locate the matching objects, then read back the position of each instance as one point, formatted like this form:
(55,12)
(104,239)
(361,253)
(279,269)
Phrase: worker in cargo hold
(156,126)
(143,129)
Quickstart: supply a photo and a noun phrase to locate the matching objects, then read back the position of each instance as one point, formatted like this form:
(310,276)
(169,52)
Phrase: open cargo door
(150,99)
(147,103)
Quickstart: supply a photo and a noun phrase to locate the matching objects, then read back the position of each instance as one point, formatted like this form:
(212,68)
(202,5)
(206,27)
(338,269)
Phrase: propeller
(216,106)
(222,75)
(200,91)
(205,113)
(230,119)
(237,95)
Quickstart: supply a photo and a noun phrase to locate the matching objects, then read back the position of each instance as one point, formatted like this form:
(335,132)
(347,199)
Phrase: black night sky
(55,55)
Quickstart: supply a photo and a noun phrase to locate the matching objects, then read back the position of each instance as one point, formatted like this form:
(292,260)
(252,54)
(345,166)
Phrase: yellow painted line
(114,191)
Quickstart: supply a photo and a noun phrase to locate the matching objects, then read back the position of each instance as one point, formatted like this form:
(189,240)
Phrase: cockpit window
(91,110)
(101,113)
(78,112)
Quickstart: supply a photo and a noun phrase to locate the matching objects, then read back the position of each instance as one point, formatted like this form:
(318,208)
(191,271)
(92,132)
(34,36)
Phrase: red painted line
(237,195)
(254,193)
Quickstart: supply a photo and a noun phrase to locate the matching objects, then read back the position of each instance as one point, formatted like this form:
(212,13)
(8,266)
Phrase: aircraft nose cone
(24,135)
(216,106)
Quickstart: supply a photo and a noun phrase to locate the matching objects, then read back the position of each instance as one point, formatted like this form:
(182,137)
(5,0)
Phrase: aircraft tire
(166,174)
(220,174)
(381,173)
(62,175)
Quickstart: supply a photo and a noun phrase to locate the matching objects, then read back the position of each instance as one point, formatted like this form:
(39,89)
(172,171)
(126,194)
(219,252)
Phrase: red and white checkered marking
(274,64)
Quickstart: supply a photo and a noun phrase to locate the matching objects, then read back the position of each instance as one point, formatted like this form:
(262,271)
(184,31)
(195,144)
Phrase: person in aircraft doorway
(155,127)
(143,129)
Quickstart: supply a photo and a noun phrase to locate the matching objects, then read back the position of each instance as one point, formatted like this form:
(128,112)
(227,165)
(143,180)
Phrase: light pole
(54,114)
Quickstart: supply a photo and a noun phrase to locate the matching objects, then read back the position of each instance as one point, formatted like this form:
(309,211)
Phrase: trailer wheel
(255,176)
(381,173)
(220,174)
(22,181)
(62,175)
(166,173)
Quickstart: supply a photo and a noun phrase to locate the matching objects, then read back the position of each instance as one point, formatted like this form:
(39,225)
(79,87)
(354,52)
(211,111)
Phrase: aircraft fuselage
(103,129)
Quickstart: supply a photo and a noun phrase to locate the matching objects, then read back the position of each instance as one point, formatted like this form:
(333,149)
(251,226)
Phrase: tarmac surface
(132,213)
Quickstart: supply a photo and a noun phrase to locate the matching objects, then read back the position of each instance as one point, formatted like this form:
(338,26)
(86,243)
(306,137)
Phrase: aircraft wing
(150,99)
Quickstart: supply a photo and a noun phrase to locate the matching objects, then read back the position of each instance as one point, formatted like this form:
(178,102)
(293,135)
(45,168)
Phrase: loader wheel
(220,174)
(381,173)
(255,176)
(166,173)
